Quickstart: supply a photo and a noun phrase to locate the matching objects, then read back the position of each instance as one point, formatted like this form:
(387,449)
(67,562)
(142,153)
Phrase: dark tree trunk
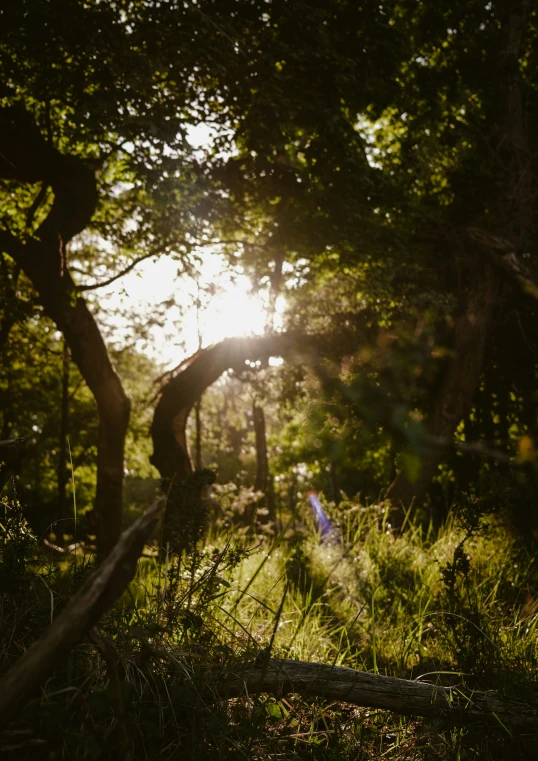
(26,157)
(198,442)
(64,430)
(262,460)
(71,315)
(170,451)
(456,394)
(10,284)
(263,482)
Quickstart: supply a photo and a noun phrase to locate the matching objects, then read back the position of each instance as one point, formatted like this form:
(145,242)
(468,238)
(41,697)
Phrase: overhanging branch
(178,396)
(110,280)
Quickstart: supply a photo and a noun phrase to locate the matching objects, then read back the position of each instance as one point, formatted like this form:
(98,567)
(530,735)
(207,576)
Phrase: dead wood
(455,705)
(97,595)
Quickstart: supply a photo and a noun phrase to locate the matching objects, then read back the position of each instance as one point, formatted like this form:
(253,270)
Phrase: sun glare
(235,311)
(227,307)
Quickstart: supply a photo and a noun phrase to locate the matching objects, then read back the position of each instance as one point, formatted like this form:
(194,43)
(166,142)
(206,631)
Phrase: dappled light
(268,380)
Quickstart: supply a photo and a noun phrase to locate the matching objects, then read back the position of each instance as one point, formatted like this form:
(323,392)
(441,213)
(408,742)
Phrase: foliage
(352,145)
(371,599)
(355,154)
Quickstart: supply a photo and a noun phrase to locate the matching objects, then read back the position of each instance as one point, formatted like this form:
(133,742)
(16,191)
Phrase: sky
(234,309)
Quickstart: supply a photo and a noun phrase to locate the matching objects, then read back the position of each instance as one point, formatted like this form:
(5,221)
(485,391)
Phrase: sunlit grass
(369,598)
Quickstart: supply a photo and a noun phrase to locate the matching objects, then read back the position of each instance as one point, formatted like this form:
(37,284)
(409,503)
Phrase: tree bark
(198,444)
(456,394)
(262,460)
(62,460)
(9,316)
(263,482)
(455,705)
(25,156)
(168,430)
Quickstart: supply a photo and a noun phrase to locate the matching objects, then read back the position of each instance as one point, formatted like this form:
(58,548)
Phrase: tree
(118,103)
(182,391)
(374,139)
(446,189)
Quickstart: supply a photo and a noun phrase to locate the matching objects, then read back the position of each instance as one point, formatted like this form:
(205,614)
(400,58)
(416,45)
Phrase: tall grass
(457,606)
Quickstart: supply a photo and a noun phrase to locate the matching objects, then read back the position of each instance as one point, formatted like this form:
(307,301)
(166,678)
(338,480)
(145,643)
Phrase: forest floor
(455,607)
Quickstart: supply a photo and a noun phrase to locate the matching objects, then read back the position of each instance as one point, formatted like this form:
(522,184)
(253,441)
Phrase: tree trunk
(198,443)
(10,304)
(168,430)
(26,157)
(263,482)
(262,460)
(62,460)
(456,394)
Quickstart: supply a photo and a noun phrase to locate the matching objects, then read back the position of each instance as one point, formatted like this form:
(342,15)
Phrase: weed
(416,604)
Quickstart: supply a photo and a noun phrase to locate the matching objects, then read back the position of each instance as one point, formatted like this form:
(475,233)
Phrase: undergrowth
(456,607)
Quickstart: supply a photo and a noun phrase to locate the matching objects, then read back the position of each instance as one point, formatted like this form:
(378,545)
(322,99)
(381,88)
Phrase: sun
(234,311)
(214,305)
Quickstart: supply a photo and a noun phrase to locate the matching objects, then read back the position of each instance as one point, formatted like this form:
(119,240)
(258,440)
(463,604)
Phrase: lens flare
(323,523)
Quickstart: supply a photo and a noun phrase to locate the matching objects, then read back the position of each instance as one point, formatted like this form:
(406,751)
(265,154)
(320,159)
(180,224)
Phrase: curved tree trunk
(168,430)
(26,157)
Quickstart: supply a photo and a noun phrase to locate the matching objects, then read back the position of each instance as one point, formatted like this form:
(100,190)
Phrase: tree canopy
(372,163)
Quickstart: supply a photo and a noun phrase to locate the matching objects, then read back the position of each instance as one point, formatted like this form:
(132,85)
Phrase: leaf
(274,710)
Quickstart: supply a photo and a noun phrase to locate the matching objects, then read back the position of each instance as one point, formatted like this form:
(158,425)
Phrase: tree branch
(83,611)
(501,254)
(26,156)
(104,283)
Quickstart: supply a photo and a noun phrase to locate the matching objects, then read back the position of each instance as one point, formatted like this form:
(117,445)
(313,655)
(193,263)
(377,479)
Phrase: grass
(457,606)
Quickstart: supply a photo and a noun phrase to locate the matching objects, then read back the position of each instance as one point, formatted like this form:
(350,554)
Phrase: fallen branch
(455,705)
(97,595)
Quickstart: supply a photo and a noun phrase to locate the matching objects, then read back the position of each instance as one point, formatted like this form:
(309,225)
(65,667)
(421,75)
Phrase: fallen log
(455,705)
(83,611)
